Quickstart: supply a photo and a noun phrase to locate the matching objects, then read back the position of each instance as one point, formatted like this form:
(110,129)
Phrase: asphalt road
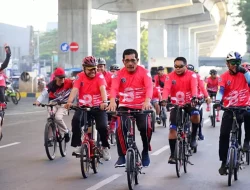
(25,166)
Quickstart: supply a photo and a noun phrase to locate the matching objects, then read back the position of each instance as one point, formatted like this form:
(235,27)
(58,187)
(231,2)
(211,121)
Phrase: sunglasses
(93,69)
(234,62)
(179,66)
(130,60)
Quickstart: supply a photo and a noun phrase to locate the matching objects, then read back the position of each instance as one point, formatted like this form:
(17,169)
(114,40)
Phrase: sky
(39,12)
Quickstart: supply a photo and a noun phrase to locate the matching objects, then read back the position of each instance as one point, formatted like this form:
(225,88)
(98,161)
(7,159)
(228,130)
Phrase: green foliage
(144,45)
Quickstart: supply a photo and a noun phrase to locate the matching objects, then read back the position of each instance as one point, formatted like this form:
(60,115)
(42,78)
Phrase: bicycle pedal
(189,163)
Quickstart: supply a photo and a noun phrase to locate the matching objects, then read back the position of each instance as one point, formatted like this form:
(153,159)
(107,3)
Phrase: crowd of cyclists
(133,88)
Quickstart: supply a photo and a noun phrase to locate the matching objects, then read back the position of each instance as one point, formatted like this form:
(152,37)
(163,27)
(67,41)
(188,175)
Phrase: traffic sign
(74,46)
(64,47)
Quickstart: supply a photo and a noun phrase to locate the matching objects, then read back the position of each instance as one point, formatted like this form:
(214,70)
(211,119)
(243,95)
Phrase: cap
(59,72)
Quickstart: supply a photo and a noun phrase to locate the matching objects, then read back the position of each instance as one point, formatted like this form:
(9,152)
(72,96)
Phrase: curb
(30,94)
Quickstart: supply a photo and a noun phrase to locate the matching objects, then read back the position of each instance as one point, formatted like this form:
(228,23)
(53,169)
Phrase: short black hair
(183,59)
(129,52)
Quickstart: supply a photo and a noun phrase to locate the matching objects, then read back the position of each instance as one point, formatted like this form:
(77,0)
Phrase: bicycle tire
(112,138)
(50,126)
(213,117)
(84,161)
(18,95)
(237,166)
(62,147)
(153,121)
(247,157)
(178,157)
(185,159)
(14,100)
(230,166)
(130,169)
(95,160)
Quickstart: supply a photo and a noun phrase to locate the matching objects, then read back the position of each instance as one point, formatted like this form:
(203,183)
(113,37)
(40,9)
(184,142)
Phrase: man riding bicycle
(134,86)
(155,100)
(3,84)
(91,89)
(58,90)
(181,85)
(234,91)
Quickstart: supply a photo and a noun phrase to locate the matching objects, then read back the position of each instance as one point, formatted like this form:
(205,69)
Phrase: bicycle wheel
(237,166)
(50,140)
(130,169)
(18,95)
(178,157)
(153,121)
(112,138)
(14,100)
(62,146)
(230,166)
(84,161)
(95,160)
(247,157)
(185,158)
(213,123)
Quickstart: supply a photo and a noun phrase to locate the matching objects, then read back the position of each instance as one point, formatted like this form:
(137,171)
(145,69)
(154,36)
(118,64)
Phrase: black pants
(2,94)
(144,126)
(101,120)
(226,127)
(201,120)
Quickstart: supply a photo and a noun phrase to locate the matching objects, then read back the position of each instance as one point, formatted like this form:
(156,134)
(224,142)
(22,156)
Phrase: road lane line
(206,121)
(104,182)
(160,150)
(22,122)
(12,144)
(23,113)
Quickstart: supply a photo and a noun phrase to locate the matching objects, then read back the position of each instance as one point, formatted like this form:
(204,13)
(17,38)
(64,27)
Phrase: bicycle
(2,113)
(133,156)
(235,152)
(91,150)
(163,116)
(212,114)
(182,146)
(12,93)
(52,135)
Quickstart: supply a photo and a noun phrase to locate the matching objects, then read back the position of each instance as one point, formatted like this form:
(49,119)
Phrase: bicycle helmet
(115,67)
(101,61)
(233,55)
(160,68)
(89,61)
(190,67)
(213,71)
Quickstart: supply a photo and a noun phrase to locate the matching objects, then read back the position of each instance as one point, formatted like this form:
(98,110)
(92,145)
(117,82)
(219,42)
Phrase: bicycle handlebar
(74,107)
(51,104)
(234,108)
(129,112)
(180,106)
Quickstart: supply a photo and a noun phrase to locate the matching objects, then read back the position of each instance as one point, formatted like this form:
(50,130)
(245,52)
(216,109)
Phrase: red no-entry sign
(74,46)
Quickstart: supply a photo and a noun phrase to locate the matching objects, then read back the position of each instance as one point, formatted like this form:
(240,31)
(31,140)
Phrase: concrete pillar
(74,25)
(184,42)
(157,38)
(128,33)
(193,50)
(173,41)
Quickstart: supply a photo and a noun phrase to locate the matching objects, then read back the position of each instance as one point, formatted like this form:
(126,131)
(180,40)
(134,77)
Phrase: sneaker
(67,137)
(201,137)
(193,143)
(246,146)
(106,154)
(223,169)
(121,162)
(145,159)
(171,160)
(77,150)
(208,109)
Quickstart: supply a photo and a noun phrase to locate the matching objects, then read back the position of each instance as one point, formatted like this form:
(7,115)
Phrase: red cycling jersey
(107,76)
(156,93)
(181,88)
(89,89)
(201,87)
(3,77)
(158,78)
(236,90)
(212,84)
(133,88)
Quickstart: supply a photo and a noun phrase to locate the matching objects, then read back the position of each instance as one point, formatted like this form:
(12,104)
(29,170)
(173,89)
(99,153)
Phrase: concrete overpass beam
(184,42)
(205,29)
(195,9)
(128,33)
(173,40)
(74,24)
(157,38)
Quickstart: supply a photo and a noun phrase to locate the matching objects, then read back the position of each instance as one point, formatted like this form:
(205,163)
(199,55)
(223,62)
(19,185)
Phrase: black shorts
(211,94)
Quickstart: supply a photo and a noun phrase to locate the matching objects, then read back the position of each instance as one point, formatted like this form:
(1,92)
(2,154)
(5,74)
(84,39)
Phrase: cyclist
(181,85)
(233,91)
(202,93)
(101,67)
(212,88)
(114,68)
(155,100)
(134,86)
(91,89)
(160,77)
(58,90)
(3,84)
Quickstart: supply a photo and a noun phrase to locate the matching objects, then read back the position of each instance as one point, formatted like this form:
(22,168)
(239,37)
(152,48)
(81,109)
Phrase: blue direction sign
(64,47)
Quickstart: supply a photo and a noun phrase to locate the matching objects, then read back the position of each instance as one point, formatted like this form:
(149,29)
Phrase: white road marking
(23,113)
(22,122)
(160,150)
(206,121)
(104,182)
(12,144)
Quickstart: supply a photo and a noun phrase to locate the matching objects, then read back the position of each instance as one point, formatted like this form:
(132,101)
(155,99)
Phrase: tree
(144,45)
